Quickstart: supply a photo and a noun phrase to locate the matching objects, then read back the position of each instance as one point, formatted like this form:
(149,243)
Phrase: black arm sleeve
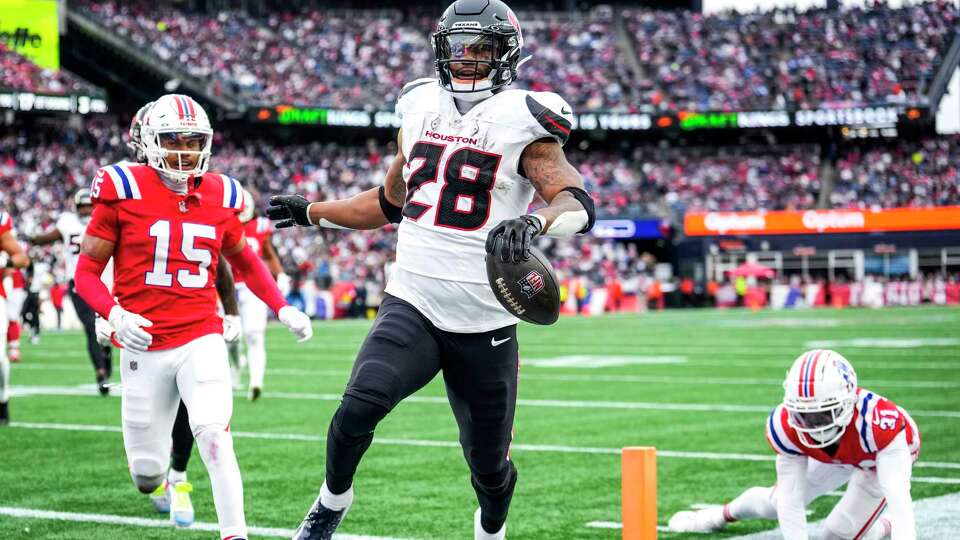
(394,214)
(587,203)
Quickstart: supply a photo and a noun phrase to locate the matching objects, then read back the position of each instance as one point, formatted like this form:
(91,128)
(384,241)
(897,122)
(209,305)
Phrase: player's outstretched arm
(128,327)
(10,246)
(261,283)
(370,209)
(894,467)
(45,239)
(569,209)
(791,501)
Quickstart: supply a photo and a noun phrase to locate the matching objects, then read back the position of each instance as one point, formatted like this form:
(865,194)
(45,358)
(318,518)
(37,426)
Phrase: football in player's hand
(528,289)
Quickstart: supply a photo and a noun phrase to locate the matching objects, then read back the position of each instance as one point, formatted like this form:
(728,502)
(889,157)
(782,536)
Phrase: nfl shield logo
(133,365)
(531,284)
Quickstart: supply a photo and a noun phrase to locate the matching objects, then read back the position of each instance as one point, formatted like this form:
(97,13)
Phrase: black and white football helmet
(477,48)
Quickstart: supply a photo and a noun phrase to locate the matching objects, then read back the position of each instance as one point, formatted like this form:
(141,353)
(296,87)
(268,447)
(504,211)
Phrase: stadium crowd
(41,167)
(20,74)
(822,58)
(676,60)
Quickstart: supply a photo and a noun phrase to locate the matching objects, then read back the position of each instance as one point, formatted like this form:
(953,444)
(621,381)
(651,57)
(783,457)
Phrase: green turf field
(641,380)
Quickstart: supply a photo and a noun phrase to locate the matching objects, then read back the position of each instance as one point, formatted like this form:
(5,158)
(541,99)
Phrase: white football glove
(104,331)
(129,329)
(297,322)
(232,328)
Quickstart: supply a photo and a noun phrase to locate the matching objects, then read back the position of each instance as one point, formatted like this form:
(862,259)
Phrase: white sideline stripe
(937,519)
(454,444)
(653,379)
(31,513)
(89,390)
(615,525)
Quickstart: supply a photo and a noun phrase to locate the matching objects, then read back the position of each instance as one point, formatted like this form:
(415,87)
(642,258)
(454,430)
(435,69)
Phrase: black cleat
(320,522)
(102,386)
(4,413)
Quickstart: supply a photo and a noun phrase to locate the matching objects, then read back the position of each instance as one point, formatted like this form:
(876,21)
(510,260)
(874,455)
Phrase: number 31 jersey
(463,178)
(167,246)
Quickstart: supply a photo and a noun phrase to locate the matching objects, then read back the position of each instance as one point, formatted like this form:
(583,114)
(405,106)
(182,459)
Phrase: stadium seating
(20,74)
(684,61)
(785,59)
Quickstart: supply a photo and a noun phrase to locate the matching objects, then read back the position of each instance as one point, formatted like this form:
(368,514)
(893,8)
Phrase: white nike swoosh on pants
(494,341)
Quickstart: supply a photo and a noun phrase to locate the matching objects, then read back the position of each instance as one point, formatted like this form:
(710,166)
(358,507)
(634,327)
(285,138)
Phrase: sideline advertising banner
(31,28)
(822,221)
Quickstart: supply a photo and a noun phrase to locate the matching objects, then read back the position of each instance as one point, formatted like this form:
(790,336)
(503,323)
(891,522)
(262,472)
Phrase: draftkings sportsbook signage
(874,117)
(822,221)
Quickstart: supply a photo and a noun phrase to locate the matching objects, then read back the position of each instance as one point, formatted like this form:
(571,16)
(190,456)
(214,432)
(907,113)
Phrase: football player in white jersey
(472,155)
(69,230)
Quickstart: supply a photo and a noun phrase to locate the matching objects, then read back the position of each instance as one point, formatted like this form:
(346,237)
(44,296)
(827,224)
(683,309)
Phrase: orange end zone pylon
(638,465)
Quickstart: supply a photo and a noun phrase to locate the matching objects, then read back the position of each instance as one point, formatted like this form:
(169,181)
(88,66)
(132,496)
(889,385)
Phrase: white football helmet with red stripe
(820,394)
(176,138)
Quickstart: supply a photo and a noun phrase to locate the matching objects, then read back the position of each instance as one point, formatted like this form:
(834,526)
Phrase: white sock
(256,358)
(753,503)
(335,502)
(175,477)
(216,450)
(880,530)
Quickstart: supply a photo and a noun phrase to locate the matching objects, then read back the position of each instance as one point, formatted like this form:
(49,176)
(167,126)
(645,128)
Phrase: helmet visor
(184,150)
(470,56)
(813,420)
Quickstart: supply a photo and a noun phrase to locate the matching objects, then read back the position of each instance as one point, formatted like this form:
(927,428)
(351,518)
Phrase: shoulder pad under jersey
(410,92)
(549,115)
(779,433)
(115,182)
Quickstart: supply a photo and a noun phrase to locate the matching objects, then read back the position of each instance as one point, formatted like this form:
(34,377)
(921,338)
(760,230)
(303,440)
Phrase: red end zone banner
(822,221)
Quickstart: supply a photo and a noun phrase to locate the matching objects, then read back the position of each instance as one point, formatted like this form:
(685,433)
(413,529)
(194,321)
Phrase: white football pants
(154,382)
(852,517)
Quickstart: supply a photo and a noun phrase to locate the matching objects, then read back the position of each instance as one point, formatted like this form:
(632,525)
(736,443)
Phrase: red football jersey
(167,246)
(876,421)
(258,231)
(6,224)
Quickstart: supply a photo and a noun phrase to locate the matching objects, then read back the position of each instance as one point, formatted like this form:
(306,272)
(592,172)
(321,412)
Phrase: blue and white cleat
(181,509)
(161,499)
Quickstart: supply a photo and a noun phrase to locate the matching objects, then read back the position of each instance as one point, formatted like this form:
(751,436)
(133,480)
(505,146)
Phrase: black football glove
(289,210)
(511,238)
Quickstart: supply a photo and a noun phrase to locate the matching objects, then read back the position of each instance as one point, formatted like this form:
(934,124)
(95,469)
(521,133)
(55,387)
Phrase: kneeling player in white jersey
(166,224)
(472,155)
(253,312)
(829,432)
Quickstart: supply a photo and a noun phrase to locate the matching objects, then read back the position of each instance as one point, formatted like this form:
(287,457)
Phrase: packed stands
(785,59)
(20,74)
(684,61)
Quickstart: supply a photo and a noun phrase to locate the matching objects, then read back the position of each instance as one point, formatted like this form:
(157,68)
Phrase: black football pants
(99,355)
(402,353)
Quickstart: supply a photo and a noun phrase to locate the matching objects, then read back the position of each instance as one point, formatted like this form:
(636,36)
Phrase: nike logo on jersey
(495,342)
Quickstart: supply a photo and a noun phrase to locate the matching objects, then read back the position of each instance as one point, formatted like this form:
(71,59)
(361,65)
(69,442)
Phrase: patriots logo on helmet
(531,284)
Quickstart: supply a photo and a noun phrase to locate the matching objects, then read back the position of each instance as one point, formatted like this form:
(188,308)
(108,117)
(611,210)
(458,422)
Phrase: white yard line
(548,448)
(89,390)
(31,513)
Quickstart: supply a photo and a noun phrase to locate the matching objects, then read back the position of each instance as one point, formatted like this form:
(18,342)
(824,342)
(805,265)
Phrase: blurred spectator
(19,73)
